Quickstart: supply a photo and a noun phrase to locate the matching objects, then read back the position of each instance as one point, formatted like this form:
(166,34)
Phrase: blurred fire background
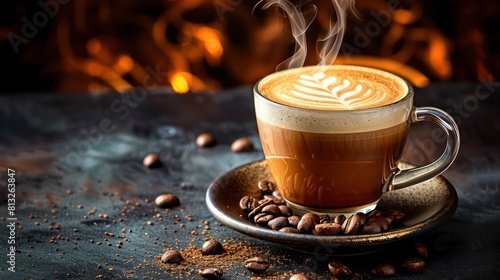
(207,45)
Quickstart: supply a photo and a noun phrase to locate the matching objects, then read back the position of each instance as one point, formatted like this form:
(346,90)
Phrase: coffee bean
(242,145)
(340,219)
(390,220)
(413,265)
(293,221)
(212,247)
(421,249)
(323,219)
(167,200)
(289,230)
(362,218)
(384,269)
(262,219)
(211,273)
(266,187)
(374,212)
(299,276)
(278,199)
(152,161)
(257,264)
(384,224)
(278,223)
(171,256)
(248,203)
(306,224)
(327,229)
(205,140)
(339,269)
(351,225)
(314,216)
(397,216)
(371,227)
(267,197)
(272,209)
(258,209)
(285,210)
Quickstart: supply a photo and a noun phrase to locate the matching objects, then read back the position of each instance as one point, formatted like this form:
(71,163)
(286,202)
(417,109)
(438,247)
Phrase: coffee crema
(333,88)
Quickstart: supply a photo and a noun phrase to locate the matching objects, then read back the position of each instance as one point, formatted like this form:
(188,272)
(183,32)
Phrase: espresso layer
(331,169)
(333,88)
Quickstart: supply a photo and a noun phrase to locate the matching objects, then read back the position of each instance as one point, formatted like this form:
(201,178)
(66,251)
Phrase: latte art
(336,88)
(335,93)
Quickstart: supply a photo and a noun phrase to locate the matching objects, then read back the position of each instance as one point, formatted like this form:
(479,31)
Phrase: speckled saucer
(426,205)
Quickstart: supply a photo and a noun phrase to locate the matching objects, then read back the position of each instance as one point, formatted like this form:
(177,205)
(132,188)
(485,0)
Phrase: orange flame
(180,82)
(211,39)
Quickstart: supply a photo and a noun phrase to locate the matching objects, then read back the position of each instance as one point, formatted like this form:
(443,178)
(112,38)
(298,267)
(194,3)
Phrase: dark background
(108,45)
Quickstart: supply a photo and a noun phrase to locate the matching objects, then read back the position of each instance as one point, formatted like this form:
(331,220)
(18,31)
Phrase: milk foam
(333,88)
(332,95)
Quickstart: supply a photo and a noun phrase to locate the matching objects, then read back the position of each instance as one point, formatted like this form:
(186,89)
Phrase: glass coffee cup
(333,136)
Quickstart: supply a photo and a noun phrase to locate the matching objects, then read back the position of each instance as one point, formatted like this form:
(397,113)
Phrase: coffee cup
(333,136)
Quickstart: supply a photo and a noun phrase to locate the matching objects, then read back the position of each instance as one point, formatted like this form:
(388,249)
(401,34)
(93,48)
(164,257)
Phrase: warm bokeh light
(179,82)
(124,64)
(438,56)
(94,46)
(211,39)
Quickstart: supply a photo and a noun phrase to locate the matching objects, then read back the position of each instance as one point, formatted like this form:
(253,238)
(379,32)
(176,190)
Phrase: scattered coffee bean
(351,224)
(262,219)
(272,209)
(167,200)
(371,227)
(421,249)
(242,145)
(327,229)
(384,269)
(339,269)
(212,247)
(362,218)
(152,161)
(266,187)
(397,216)
(258,209)
(248,203)
(278,199)
(278,223)
(323,219)
(285,210)
(257,264)
(211,273)
(374,212)
(340,219)
(299,276)
(384,224)
(306,224)
(413,265)
(171,256)
(313,216)
(205,140)
(293,221)
(289,230)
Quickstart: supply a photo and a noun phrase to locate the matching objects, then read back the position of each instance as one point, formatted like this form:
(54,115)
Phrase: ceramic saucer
(426,205)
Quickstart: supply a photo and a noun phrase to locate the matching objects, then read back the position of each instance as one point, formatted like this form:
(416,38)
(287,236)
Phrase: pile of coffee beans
(269,210)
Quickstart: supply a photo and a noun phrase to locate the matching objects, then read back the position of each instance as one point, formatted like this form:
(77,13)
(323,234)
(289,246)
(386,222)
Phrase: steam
(301,17)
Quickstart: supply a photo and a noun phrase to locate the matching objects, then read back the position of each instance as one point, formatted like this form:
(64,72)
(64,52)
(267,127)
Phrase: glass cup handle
(408,177)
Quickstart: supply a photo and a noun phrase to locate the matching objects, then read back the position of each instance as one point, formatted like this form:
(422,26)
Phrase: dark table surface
(75,152)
